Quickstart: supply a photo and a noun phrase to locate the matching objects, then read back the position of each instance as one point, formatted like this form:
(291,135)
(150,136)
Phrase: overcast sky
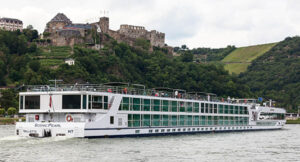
(196,23)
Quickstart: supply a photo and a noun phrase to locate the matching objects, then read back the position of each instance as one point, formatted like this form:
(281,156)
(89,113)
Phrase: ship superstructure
(115,111)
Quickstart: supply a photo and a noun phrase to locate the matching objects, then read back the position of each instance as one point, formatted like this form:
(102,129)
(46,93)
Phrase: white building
(70,61)
(11,24)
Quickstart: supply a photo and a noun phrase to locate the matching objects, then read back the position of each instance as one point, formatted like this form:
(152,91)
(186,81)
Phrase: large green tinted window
(136,120)
(206,108)
(174,106)
(215,122)
(209,120)
(105,102)
(155,120)
(196,107)
(202,108)
(231,109)
(226,110)
(146,120)
(190,120)
(241,110)
(221,110)
(215,108)
(155,105)
(165,105)
(146,106)
(181,120)
(220,120)
(136,104)
(203,120)
(165,120)
(236,109)
(196,120)
(189,107)
(125,103)
(130,120)
(174,120)
(226,122)
(182,106)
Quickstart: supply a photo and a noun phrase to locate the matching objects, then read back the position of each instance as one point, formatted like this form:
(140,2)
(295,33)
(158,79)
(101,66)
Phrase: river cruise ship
(111,110)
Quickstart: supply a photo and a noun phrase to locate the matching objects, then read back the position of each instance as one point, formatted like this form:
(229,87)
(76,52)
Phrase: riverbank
(293,121)
(9,121)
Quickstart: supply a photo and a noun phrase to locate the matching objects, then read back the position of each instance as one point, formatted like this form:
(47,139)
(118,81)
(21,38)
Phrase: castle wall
(156,38)
(55,26)
(64,32)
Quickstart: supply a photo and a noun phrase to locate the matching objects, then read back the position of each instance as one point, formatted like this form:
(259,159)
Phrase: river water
(279,145)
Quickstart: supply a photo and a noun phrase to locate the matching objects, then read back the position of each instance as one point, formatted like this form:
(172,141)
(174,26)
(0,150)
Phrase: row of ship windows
(193,129)
(147,120)
(138,104)
(68,102)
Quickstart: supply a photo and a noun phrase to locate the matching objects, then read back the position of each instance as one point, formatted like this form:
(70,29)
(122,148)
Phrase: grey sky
(197,23)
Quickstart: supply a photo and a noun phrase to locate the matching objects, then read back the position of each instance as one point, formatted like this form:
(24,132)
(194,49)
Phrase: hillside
(276,74)
(239,59)
(52,56)
(22,62)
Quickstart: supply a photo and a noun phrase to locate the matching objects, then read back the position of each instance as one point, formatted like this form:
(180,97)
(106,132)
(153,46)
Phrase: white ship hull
(79,130)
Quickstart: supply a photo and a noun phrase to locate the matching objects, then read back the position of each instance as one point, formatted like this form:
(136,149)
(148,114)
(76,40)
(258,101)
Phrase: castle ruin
(63,32)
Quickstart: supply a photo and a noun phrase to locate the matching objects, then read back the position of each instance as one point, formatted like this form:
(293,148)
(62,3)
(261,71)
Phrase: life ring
(69,118)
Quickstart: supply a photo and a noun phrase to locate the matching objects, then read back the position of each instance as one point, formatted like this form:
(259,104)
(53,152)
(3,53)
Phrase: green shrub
(2,112)
(11,111)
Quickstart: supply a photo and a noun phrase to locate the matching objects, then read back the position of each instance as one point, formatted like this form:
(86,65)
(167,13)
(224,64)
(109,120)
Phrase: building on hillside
(70,61)
(11,24)
(63,32)
(58,22)
(129,33)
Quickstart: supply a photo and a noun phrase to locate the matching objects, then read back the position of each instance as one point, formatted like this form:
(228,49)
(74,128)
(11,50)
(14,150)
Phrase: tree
(2,112)
(187,57)
(29,27)
(11,111)
(35,65)
(8,99)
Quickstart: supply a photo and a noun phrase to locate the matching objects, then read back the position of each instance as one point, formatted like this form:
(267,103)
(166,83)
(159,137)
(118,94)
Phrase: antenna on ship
(55,81)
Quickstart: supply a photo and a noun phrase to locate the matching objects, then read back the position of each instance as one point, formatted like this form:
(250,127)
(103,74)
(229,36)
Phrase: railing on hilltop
(126,89)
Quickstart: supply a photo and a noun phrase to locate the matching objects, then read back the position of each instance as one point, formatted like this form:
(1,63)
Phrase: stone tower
(104,24)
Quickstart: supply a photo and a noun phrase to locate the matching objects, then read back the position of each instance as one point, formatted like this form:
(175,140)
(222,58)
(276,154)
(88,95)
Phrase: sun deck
(135,89)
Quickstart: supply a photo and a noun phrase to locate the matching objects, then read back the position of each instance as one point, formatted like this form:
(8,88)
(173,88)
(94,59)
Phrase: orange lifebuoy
(69,118)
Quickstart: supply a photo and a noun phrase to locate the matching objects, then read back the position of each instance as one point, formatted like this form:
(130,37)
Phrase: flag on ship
(50,102)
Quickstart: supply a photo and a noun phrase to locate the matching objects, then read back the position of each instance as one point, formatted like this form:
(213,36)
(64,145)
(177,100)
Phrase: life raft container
(69,118)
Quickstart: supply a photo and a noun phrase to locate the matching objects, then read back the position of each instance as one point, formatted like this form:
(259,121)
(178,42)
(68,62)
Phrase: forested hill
(115,62)
(276,74)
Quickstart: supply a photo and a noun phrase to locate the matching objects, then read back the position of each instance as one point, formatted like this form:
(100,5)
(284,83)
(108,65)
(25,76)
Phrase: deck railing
(124,90)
